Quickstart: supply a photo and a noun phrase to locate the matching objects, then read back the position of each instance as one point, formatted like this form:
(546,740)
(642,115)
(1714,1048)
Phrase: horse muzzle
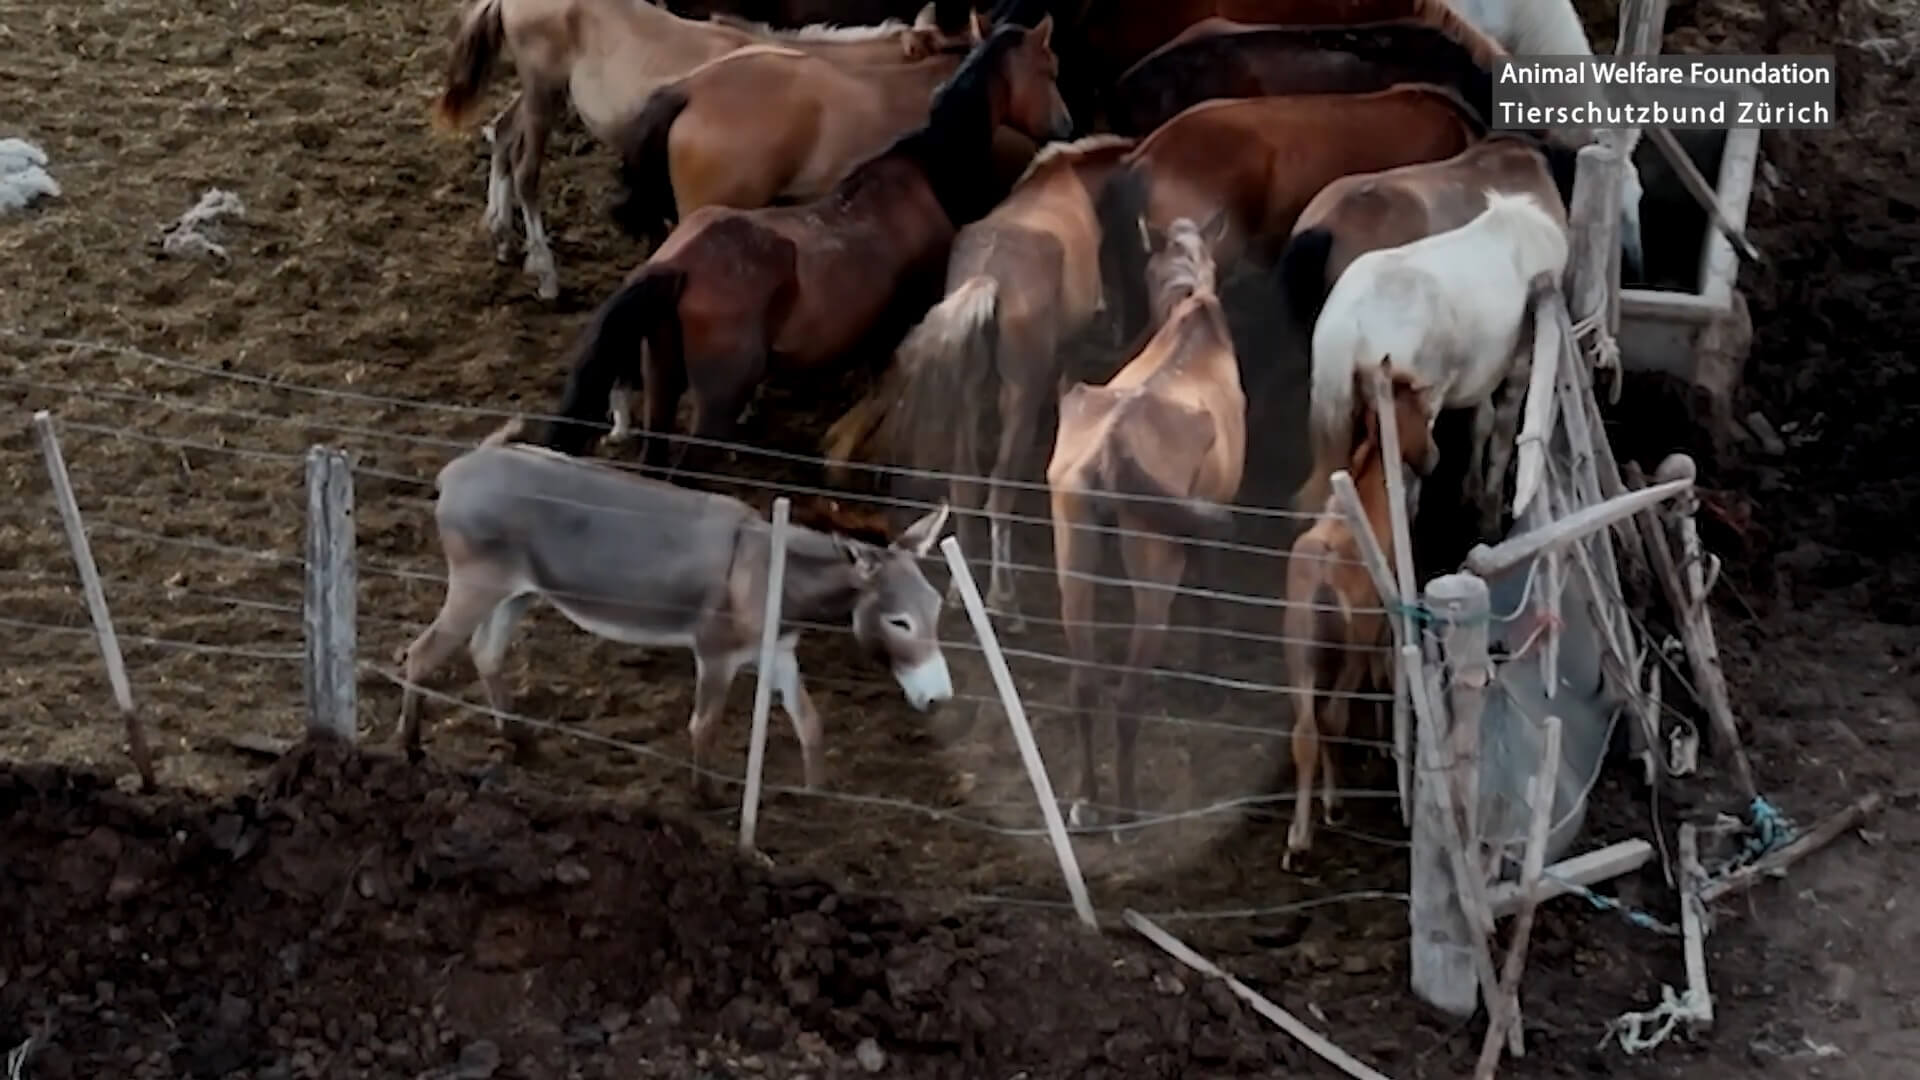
(1060,122)
(926,683)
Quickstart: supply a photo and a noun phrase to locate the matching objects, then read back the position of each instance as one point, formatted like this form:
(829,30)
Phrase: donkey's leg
(488,647)
(1155,566)
(467,604)
(541,108)
(1076,553)
(504,134)
(713,677)
(798,706)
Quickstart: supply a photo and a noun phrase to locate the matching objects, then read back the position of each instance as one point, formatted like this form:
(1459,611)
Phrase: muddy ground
(347,919)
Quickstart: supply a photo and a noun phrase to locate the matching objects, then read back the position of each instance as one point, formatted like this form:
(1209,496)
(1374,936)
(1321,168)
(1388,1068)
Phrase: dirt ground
(334,918)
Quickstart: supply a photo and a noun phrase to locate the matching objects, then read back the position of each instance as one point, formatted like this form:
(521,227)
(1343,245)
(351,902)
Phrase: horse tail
(1303,274)
(1171,516)
(607,351)
(1121,210)
(646,175)
(482,33)
(1329,635)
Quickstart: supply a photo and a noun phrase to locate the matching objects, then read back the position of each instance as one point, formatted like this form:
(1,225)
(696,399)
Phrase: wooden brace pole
(1807,843)
(1489,561)
(1401,531)
(96,595)
(1347,498)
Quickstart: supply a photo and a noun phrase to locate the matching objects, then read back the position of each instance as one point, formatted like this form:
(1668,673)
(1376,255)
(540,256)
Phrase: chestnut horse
(605,56)
(1101,39)
(1220,58)
(1157,451)
(1020,282)
(766,124)
(1262,160)
(1338,638)
(733,294)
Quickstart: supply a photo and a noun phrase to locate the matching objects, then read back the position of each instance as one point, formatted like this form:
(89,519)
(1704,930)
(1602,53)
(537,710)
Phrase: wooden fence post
(763,687)
(1504,1013)
(1593,230)
(1022,731)
(331,608)
(96,595)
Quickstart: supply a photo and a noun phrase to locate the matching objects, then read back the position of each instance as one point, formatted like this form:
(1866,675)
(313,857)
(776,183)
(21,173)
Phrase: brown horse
(733,294)
(1338,639)
(767,124)
(1020,282)
(949,15)
(1262,160)
(1367,211)
(1220,58)
(1156,451)
(605,56)
(1101,39)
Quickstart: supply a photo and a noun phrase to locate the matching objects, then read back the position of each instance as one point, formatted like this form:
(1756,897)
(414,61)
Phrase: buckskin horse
(1157,451)
(1337,635)
(644,562)
(733,294)
(767,124)
(605,56)
(1452,307)
(1021,282)
(1262,160)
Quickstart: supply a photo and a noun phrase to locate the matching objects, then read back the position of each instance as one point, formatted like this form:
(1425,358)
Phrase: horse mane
(1069,153)
(1189,265)
(953,150)
(822,32)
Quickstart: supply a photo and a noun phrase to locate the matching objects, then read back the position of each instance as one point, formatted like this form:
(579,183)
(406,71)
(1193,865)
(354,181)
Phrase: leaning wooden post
(1401,537)
(1593,229)
(763,686)
(330,611)
(1022,731)
(96,595)
(1504,1012)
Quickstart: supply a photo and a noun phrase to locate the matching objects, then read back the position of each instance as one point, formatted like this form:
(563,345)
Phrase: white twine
(1628,1028)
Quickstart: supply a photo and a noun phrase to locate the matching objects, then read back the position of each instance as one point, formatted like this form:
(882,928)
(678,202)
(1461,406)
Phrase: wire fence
(191,501)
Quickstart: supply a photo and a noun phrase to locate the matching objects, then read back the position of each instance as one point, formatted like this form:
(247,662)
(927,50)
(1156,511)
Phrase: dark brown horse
(1220,58)
(1101,39)
(734,294)
(1262,160)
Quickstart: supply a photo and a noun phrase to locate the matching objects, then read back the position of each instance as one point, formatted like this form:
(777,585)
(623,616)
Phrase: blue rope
(1771,829)
(1607,903)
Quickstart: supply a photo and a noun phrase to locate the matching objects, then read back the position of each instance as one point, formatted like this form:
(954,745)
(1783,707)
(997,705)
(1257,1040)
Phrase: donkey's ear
(1043,31)
(864,557)
(920,536)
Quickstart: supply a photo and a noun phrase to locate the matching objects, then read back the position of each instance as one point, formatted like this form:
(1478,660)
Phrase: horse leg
(663,378)
(721,390)
(1486,467)
(1155,566)
(1076,554)
(1503,427)
(504,135)
(963,490)
(1306,755)
(1020,405)
(540,109)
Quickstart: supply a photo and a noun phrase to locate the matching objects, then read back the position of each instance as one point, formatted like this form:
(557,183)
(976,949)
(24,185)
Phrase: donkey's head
(896,614)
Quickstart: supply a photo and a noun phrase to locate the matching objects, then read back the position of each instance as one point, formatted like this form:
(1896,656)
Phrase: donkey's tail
(644,311)
(482,33)
(647,207)
(1303,275)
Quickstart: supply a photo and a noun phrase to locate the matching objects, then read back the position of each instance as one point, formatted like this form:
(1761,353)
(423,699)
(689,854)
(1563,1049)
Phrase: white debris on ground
(23,175)
(188,236)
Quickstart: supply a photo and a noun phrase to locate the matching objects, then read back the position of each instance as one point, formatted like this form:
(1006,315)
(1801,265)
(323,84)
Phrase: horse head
(1412,422)
(1034,105)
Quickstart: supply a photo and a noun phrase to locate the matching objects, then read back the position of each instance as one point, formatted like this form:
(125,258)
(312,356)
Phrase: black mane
(954,150)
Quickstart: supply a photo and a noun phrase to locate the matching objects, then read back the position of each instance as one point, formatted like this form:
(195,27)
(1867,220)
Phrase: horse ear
(920,536)
(1043,31)
(976,27)
(925,20)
